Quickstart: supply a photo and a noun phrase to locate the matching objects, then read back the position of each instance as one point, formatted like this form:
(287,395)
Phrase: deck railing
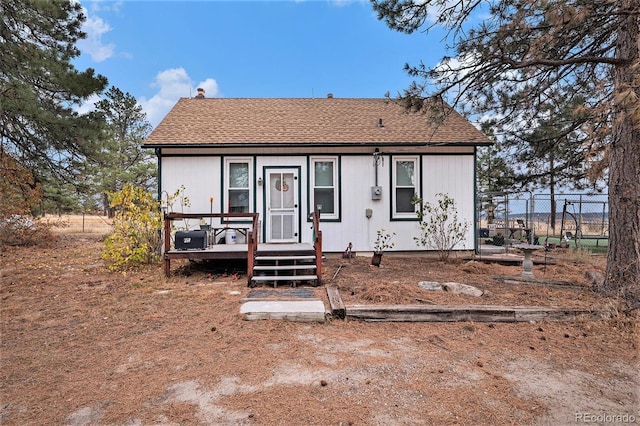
(252,234)
(317,243)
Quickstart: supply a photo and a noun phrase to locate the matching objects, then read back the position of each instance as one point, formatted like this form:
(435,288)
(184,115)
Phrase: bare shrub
(19,230)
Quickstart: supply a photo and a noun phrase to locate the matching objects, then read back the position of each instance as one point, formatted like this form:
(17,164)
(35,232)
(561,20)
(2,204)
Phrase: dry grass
(79,224)
(81,345)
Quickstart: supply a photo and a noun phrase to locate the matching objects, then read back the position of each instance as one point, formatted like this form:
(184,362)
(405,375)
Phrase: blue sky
(159,51)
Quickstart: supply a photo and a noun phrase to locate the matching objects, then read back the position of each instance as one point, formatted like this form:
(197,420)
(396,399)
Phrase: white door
(282,206)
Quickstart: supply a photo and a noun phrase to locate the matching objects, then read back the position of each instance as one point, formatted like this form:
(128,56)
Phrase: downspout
(159,158)
(166,224)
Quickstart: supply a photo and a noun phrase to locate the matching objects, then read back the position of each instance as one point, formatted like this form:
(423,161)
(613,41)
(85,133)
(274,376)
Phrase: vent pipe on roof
(329,95)
(200,94)
(380,125)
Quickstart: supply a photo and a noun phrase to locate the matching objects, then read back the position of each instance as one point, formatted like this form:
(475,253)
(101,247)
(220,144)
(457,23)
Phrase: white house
(360,161)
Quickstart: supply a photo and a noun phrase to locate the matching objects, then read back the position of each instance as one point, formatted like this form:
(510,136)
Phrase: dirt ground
(83,346)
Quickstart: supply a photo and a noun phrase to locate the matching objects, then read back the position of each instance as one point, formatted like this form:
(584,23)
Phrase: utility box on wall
(376,192)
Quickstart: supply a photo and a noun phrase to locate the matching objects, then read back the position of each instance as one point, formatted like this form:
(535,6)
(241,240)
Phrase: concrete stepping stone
(291,310)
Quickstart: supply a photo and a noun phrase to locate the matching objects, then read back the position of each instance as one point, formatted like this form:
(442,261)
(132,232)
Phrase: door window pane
(281,191)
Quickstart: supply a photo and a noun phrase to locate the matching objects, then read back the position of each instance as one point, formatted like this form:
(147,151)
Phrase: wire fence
(581,220)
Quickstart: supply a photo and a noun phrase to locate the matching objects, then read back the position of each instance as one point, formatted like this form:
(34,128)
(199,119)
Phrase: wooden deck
(238,251)
(217,251)
(251,250)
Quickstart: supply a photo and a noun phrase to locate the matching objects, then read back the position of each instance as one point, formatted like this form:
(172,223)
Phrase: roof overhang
(299,145)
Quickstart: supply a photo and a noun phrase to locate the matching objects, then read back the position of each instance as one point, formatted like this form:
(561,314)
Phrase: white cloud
(89,104)
(96,27)
(106,6)
(173,84)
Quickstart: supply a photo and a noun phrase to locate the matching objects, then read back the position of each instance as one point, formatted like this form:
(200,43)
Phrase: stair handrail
(317,243)
(252,248)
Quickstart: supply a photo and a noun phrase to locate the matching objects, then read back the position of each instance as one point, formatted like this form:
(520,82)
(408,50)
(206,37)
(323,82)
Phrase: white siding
(358,176)
(452,175)
(200,177)
(449,174)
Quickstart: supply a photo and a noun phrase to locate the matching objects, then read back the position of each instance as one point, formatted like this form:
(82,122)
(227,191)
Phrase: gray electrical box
(376,192)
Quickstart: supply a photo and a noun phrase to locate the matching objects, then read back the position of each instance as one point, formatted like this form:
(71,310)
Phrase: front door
(282,206)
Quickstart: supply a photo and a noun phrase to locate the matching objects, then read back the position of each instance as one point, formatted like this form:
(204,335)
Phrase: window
(238,186)
(323,181)
(404,185)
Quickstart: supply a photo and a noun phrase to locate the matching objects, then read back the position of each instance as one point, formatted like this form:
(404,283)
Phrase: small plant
(170,201)
(440,227)
(178,195)
(383,241)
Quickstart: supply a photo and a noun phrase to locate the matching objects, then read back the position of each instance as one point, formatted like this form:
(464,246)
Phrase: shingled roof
(275,121)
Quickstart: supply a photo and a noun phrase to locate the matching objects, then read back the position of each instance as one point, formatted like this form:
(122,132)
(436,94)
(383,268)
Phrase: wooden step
(265,258)
(284,277)
(282,267)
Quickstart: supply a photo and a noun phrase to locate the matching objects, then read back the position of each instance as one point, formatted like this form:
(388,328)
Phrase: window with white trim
(404,183)
(324,178)
(238,179)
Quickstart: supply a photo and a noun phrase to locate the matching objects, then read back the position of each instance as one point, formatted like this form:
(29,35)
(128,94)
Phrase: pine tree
(525,51)
(39,87)
(119,157)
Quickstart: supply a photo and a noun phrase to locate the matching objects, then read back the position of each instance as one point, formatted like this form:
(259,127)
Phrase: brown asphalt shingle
(215,121)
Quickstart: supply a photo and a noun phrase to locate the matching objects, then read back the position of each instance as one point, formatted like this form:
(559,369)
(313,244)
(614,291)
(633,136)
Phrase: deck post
(317,244)
(166,246)
(250,257)
(318,247)
(252,247)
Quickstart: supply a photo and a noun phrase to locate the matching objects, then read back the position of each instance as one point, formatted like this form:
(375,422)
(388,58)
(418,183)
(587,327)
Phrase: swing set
(584,220)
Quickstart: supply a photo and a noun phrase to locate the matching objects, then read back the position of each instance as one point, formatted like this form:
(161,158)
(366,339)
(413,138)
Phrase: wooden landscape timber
(454,313)
(520,280)
(473,313)
(335,302)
